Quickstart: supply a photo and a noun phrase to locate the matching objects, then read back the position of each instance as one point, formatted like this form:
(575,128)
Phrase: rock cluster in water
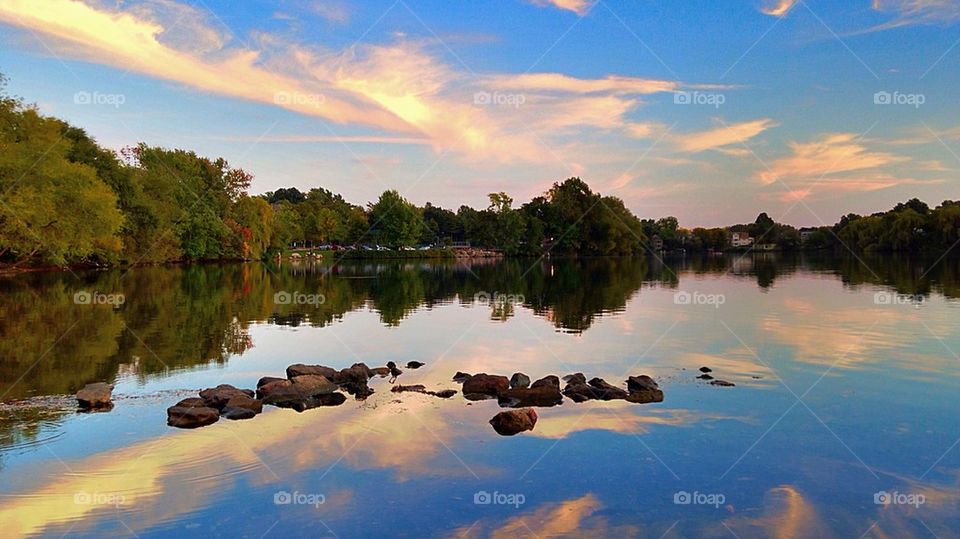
(312,386)
(97,396)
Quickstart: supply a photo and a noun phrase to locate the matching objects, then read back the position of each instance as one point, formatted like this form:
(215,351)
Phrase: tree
(397,222)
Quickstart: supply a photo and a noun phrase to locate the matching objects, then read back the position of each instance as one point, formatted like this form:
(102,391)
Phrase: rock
(95,395)
(245,402)
(547,381)
(326,399)
(191,417)
(543,395)
(443,394)
(706,369)
(382,372)
(414,364)
(266,380)
(354,380)
(722,383)
(416,389)
(192,402)
(641,383)
(578,392)
(300,369)
(645,396)
(512,422)
(519,381)
(295,393)
(577,378)
(237,413)
(705,377)
(217,397)
(460,376)
(607,391)
(485,384)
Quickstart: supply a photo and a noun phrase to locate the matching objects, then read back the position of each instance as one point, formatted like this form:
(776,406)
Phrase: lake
(843,420)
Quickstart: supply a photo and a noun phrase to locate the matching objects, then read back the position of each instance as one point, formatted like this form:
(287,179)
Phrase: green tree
(397,222)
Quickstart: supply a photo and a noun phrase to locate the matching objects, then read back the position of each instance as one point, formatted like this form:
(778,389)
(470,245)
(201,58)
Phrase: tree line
(64,199)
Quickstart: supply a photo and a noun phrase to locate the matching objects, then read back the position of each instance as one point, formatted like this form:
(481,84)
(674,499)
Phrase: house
(656,242)
(741,239)
(806,233)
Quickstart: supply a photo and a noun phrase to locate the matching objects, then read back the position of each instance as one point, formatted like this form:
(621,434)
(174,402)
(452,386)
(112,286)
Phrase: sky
(708,111)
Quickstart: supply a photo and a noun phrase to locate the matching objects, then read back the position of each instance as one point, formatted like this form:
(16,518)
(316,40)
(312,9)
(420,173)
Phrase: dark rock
(217,397)
(705,377)
(641,383)
(543,395)
(354,380)
(581,392)
(382,372)
(318,370)
(237,413)
(294,393)
(445,393)
(460,376)
(645,396)
(607,391)
(577,378)
(706,369)
(394,371)
(722,383)
(326,399)
(547,381)
(519,380)
(192,402)
(486,384)
(191,417)
(266,380)
(478,396)
(95,395)
(245,402)
(416,389)
(512,422)
(414,364)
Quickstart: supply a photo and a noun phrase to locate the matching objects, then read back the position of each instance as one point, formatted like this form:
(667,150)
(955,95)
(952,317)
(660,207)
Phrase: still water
(843,421)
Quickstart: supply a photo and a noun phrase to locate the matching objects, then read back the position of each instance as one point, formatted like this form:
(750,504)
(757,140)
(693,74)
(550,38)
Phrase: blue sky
(708,111)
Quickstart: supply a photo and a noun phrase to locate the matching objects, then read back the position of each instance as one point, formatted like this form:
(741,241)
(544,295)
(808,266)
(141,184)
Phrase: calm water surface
(846,378)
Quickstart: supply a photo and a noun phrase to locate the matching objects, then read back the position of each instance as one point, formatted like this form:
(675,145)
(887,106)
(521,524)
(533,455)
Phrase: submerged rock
(96,395)
(191,413)
(722,383)
(704,377)
(485,384)
(415,364)
(460,376)
(237,413)
(443,394)
(519,380)
(513,422)
(705,369)
(645,396)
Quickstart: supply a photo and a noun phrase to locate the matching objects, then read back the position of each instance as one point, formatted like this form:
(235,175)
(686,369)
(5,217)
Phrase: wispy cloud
(778,8)
(580,7)
(725,135)
(910,12)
